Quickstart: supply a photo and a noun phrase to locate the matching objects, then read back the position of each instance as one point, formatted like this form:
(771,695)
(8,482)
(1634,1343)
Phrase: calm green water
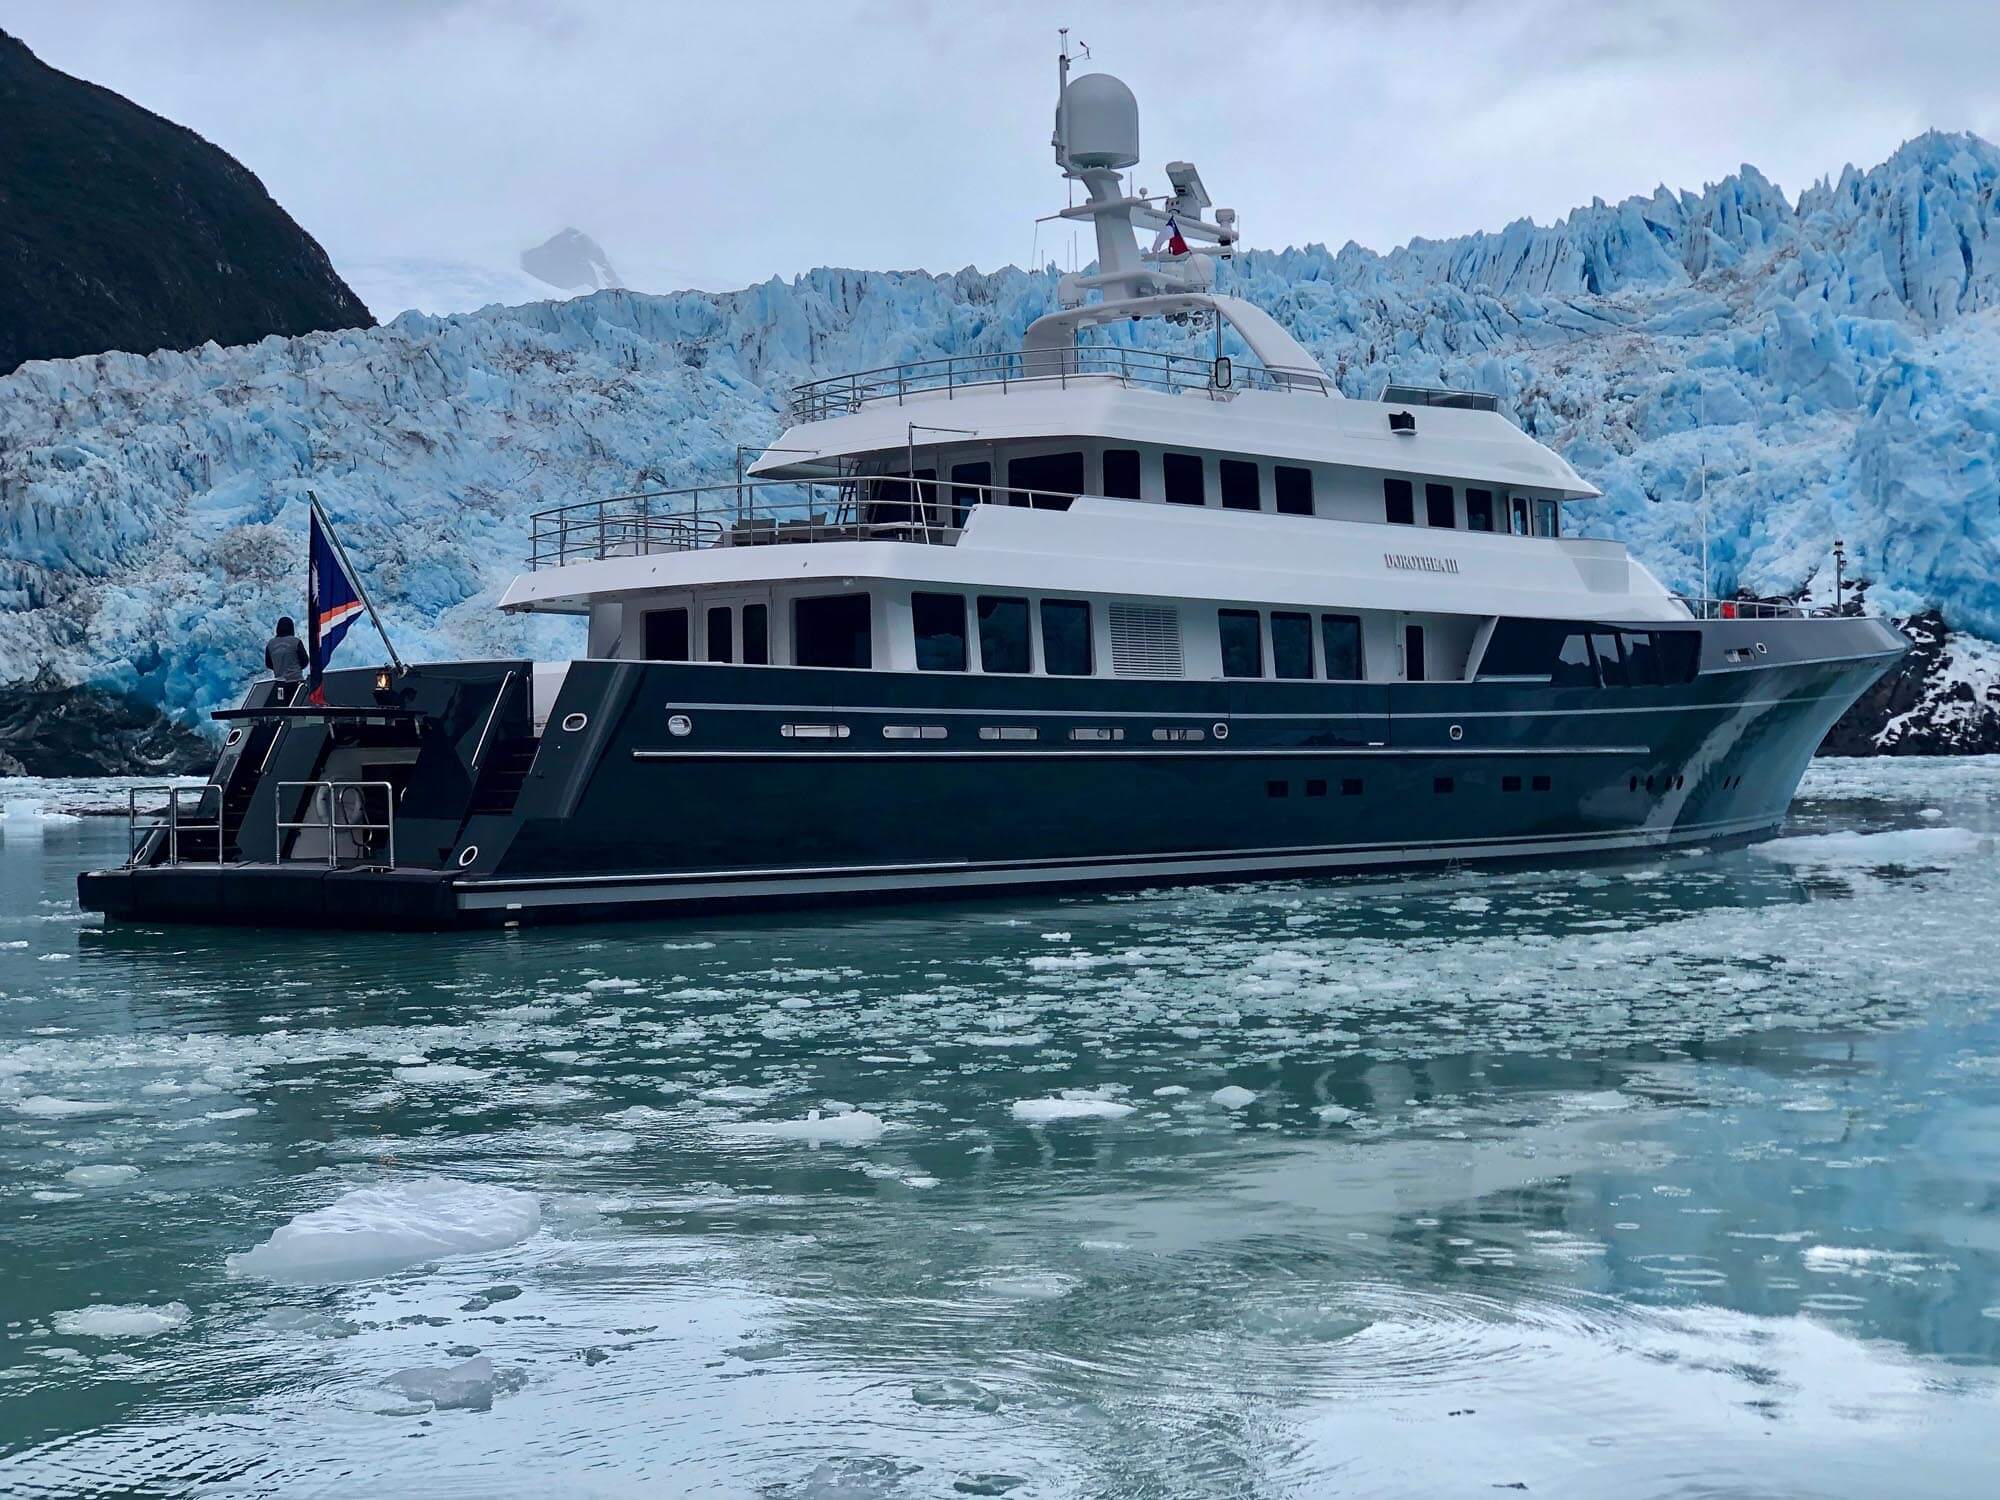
(1681,1179)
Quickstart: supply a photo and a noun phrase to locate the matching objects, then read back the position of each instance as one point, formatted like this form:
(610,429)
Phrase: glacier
(1829,366)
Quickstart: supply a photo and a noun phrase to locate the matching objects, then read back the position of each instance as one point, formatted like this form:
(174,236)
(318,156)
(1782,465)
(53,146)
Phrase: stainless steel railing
(171,819)
(890,507)
(1755,609)
(337,809)
(838,395)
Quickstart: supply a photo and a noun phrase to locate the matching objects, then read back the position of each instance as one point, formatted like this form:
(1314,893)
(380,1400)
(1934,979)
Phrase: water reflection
(1652,1178)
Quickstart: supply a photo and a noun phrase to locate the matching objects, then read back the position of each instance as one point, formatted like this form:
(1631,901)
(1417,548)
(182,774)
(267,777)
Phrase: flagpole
(334,536)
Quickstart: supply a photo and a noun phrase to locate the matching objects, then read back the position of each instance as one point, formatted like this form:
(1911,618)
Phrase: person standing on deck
(285,655)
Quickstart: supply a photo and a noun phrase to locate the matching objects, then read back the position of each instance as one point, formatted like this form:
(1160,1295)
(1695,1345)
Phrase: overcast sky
(715,145)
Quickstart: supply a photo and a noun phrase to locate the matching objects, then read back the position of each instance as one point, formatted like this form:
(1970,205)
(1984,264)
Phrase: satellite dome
(1103,122)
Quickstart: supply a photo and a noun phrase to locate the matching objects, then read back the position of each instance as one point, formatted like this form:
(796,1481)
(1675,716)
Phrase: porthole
(235,737)
(1220,731)
(467,855)
(680,726)
(1457,732)
(1762,648)
(573,722)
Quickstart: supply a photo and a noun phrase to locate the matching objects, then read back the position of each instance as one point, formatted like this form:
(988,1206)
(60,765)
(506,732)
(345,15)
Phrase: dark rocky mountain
(51,728)
(121,230)
(1941,699)
(572,262)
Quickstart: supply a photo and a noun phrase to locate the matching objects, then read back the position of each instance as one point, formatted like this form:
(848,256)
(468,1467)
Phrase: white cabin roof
(1473,447)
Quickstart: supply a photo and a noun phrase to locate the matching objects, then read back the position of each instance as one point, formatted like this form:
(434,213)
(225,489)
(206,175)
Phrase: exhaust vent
(1145,641)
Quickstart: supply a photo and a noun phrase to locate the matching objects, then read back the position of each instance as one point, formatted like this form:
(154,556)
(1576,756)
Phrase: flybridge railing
(838,395)
(1756,609)
(755,513)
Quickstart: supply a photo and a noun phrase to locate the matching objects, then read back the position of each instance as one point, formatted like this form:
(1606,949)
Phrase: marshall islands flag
(333,600)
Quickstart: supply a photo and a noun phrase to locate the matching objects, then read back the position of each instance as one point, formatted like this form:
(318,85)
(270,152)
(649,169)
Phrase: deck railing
(1756,609)
(889,507)
(838,395)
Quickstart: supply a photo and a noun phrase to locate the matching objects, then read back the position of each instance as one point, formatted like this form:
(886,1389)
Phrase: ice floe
(374,1230)
(1049,1111)
(105,1175)
(468,1386)
(852,1128)
(1234,1096)
(131,1320)
(1902,846)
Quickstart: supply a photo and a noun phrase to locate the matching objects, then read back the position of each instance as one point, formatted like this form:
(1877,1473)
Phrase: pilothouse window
(1059,474)
(1439,509)
(1479,510)
(1294,489)
(1239,484)
(1181,473)
(969,482)
(1066,638)
(1399,502)
(1121,473)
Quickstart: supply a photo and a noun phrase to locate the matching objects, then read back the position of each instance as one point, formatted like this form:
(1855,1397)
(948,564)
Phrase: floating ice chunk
(855,1128)
(1931,814)
(955,1391)
(132,1320)
(49,1107)
(736,1093)
(1047,1111)
(1170,1091)
(469,1386)
(1334,1114)
(374,1230)
(611,984)
(107,1175)
(1234,1096)
(241,1112)
(1902,846)
(439,1073)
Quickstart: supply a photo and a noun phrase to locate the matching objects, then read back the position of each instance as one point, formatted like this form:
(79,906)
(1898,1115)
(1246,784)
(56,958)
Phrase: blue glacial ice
(1833,361)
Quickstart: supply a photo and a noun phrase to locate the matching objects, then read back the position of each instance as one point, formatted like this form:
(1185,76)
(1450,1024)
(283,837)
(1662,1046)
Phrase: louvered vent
(1145,641)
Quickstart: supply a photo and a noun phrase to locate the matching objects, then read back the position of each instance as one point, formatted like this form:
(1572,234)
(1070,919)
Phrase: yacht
(1145,600)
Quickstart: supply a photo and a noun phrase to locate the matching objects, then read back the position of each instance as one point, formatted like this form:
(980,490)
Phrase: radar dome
(1103,122)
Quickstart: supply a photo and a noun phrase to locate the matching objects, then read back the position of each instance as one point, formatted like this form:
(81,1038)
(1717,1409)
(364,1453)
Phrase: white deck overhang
(1124,548)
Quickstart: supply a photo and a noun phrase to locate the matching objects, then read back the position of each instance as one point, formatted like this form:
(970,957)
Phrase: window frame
(728,614)
(1399,495)
(1440,499)
(1254,618)
(1138,473)
(1229,476)
(1082,607)
(1482,511)
(1326,653)
(1301,490)
(1174,463)
(985,607)
(922,599)
(646,618)
(867,636)
(1303,618)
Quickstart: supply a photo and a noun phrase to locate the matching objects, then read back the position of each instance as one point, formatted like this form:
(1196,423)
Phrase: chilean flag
(1171,238)
(332,601)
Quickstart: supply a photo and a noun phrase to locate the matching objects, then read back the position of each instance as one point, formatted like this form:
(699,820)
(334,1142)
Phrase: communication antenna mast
(1704,531)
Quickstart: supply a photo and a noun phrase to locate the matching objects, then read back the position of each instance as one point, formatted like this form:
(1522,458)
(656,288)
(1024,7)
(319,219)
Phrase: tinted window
(1340,644)
(1479,510)
(1610,663)
(1521,648)
(831,631)
(1413,653)
(1066,638)
(1003,634)
(1642,662)
(1294,490)
(1180,473)
(666,635)
(1680,654)
(1438,507)
(1239,484)
(1121,473)
(756,635)
(1573,668)
(1517,515)
(721,634)
(1059,473)
(1242,646)
(1548,520)
(1291,644)
(963,497)
(1399,502)
(938,623)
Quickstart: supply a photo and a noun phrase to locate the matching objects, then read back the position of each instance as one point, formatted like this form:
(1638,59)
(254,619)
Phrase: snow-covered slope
(1835,362)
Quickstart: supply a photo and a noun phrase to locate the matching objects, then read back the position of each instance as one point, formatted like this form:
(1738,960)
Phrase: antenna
(1704,531)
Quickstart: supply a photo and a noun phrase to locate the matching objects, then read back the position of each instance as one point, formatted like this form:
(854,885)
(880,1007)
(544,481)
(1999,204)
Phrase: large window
(1610,660)
(1242,643)
(1556,650)
(1439,506)
(1548,518)
(1061,474)
(1066,638)
(1573,668)
(831,630)
(1517,514)
(938,622)
(1291,644)
(1294,490)
(1003,634)
(666,632)
(1239,484)
(756,635)
(1121,473)
(969,482)
(1180,473)
(1340,646)
(1479,510)
(721,634)
(1399,502)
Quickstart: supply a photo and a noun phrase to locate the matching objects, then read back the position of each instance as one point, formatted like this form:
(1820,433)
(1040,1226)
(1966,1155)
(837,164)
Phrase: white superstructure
(1184,486)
